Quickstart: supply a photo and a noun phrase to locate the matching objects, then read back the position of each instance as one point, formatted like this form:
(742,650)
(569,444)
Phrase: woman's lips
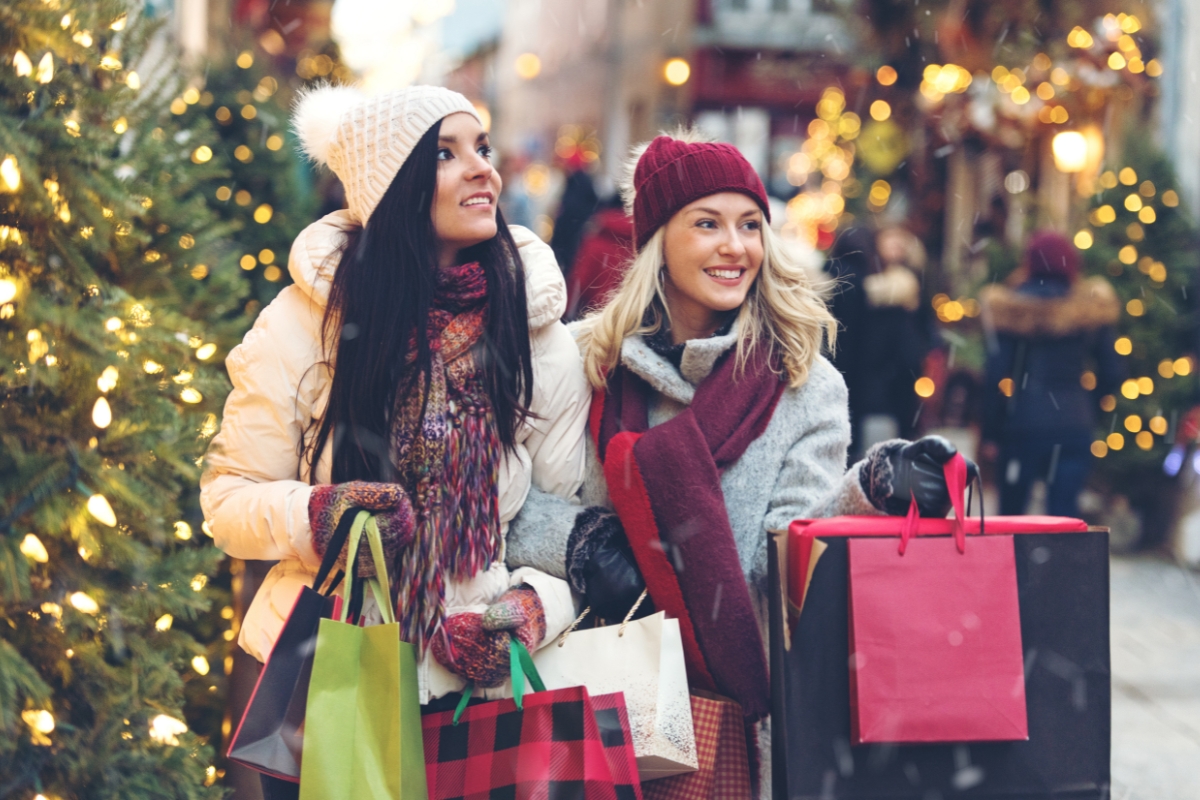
(726,276)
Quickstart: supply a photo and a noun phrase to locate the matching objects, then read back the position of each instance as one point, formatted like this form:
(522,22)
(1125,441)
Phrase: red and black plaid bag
(560,744)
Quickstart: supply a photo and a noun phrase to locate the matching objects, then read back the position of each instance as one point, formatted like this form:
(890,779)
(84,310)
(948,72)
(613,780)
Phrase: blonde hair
(782,312)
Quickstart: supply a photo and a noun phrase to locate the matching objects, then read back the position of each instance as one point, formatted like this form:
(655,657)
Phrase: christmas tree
(108,395)
(268,195)
(1140,238)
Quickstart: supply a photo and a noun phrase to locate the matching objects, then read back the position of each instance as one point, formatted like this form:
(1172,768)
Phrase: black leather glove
(600,564)
(896,472)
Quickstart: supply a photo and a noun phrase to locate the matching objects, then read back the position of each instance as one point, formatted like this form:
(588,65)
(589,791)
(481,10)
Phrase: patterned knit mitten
(520,611)
(472,652)
(393,516)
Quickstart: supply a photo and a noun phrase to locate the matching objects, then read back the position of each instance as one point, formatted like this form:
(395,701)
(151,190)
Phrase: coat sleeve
(251,490)
(813,481)
(561,400)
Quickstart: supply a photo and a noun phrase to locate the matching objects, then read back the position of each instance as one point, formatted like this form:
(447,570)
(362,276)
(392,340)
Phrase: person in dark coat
(1050,356)
(600,264)
(575,209)
(883,341)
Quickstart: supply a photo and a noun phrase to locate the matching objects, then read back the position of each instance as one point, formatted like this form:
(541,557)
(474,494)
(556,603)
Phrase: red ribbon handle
(955,471)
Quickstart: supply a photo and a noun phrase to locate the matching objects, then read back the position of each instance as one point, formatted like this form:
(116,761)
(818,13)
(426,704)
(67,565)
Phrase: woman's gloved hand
(476,645)
(519,611)
(387,501)
(896,472)
(472,652)
(600,564)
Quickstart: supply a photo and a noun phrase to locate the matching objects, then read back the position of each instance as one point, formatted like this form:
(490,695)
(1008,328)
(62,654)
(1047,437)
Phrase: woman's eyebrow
(447,139)
(716,213)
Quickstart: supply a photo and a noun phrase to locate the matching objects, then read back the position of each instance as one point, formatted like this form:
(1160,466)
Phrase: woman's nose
(731,243)
(479,167)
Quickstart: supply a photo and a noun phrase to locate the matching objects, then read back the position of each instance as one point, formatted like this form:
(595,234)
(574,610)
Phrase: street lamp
(1070,151)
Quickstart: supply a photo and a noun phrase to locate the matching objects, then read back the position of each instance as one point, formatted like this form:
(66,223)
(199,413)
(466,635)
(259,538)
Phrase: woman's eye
(707,224)
(444,154)
(485,150)
(753,225)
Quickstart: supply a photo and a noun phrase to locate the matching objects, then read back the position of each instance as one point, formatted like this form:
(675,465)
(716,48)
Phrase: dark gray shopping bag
(270,737)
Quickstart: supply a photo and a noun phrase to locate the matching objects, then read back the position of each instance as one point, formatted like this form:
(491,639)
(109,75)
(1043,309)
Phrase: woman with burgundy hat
(715,418)
(1040,406)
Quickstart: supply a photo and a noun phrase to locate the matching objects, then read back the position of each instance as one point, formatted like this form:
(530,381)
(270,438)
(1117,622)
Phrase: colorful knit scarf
(447,455)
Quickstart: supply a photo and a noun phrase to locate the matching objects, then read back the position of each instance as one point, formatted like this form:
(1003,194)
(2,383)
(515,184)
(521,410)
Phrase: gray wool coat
(795,469)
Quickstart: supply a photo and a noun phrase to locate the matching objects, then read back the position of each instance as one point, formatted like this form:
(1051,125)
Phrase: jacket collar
(314,258)
(1091,303)
(699,358)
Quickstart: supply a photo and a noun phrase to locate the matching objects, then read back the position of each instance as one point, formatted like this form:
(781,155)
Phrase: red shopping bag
(935,632)
(935,642)
(539,746)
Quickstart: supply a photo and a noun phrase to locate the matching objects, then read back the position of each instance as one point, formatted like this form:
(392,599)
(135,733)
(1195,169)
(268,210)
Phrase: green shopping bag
(362,733)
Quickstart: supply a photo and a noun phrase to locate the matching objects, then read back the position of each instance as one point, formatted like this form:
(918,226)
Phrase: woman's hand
(476,646)
(391,507)
(601,566)
(896,473)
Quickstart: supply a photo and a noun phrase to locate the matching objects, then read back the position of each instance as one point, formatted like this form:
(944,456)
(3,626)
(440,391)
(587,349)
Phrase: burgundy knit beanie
(672,173)
(1051,255)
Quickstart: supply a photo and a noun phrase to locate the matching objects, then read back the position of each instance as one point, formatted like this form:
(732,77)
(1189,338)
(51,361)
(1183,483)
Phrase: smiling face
(464,210)
(714,251)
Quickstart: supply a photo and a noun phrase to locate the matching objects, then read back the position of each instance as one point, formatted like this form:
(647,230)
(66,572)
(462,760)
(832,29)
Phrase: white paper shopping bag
(644,660)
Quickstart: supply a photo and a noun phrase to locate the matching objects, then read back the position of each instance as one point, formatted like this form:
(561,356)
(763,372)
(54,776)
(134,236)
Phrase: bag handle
(334,549)
(380,585)
(563,639)
(521,667)
(955,472)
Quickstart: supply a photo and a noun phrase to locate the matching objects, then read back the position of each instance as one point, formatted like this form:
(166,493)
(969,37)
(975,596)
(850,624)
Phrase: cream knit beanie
(365,140)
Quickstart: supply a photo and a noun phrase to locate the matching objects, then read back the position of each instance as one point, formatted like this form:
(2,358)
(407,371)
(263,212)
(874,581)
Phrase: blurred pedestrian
(574,210)
(604,253)
(1050,356)
(884,340)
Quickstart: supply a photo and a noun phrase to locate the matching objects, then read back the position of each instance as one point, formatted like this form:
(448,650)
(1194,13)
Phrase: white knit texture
(373,138)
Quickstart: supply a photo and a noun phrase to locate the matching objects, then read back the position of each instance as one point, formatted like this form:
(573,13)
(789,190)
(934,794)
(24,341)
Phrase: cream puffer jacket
(255,487)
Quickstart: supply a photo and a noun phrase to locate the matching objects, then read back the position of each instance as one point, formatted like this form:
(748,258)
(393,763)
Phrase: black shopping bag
(1062,585)
(270,737)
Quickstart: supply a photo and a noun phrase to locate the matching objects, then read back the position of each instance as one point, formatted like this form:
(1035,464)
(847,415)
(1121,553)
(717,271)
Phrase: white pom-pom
(316,115)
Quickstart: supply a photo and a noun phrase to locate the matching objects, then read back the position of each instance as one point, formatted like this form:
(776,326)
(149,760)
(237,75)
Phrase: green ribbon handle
(380,585)
(521,667)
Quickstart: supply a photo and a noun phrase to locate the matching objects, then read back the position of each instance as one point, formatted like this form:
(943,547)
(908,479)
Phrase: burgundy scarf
(665,483)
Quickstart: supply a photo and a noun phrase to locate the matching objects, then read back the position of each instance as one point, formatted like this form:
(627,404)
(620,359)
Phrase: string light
(10,174)
(22,65)
(164,623)
(200,665)
(166,730)
(101,413)
(84,604)
(183,531)
(98,507)
(45,69)
(33,549)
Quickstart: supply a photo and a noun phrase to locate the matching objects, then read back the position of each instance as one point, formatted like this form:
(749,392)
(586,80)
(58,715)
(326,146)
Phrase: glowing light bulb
(33,549)
(98,507)
(200,665)
(164,623)
(22,65)
(101,413)
(84,603)
(166,730)
(45,69)
(10,174)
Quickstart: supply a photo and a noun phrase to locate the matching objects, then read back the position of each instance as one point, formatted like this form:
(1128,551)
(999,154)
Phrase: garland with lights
(108,394)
